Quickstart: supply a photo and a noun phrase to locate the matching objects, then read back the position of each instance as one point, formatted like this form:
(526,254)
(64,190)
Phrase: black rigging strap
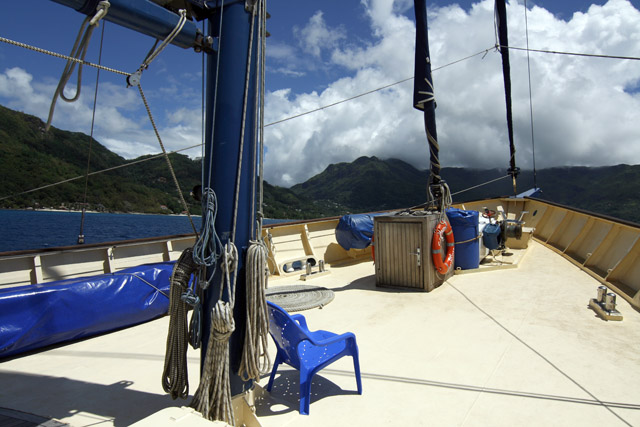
(501,29)
(424,100)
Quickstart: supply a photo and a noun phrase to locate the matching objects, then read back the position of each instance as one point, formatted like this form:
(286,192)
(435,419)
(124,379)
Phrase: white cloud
(582,114)
(585,110)
(121,124)
(316,36)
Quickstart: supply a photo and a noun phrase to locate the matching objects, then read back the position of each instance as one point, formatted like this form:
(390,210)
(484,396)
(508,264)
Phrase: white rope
(172,35)
(255,358)
(185,206)
(213,397)
(134,79)
(79,51)
(215,99)
(247,76)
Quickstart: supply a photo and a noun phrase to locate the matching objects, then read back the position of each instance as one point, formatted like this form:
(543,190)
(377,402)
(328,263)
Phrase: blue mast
(226,87)
(226,152)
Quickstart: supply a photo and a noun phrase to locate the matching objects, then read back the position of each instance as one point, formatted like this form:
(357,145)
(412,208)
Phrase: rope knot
(222,321)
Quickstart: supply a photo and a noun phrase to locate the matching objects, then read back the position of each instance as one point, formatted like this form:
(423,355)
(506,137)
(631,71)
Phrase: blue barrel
(465,232)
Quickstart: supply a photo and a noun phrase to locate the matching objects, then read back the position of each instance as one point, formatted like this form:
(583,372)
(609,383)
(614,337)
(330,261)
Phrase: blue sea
(23,229)
(42,229)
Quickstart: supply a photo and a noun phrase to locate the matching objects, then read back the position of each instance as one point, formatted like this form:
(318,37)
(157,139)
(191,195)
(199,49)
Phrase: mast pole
(226,87)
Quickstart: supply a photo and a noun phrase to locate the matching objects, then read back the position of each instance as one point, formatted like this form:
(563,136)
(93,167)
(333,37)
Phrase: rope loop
(255,358)
(208,248)
(175,378)
(134,78)
(78,52)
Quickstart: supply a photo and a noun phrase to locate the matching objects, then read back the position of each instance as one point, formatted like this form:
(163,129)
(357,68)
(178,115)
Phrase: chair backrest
(287,333)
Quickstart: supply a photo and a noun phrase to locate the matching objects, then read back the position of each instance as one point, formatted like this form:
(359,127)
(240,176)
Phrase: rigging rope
(485,51)
(208,247)
(247,76)
(61,56)
(588,55)
(479,185)
(263,63)
(175,378)
(213,396)
(78,51)
(255,358)
(533,144)
(134,78)
(166,157)
(64,181)
(422,205)
(93,120)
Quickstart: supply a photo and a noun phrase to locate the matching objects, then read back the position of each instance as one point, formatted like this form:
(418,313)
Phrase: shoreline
(93,212)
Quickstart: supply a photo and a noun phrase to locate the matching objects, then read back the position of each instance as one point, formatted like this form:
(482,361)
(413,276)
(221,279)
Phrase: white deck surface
(499,348)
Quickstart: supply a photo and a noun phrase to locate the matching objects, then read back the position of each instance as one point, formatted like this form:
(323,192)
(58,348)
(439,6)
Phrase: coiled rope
(213,397)
(255,358)
(208,248)
(175,378)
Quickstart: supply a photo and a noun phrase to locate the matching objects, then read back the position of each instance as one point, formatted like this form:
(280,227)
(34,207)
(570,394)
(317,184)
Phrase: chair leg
(305,390)
(356,367)
(276,363)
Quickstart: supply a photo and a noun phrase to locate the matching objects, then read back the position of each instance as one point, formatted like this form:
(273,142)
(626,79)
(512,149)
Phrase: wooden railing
(606,248)
(41,266)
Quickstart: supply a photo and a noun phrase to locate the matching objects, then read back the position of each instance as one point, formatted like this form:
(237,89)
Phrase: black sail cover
(501,23)
(423,93)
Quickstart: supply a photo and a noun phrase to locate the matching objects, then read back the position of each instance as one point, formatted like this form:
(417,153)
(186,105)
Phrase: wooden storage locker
(403,252)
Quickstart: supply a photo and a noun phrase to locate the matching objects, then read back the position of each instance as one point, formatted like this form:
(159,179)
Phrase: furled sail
(424,98)
(501,27)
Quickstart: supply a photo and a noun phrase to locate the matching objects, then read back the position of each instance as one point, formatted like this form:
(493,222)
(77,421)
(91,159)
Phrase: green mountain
(370,184)
(31,159)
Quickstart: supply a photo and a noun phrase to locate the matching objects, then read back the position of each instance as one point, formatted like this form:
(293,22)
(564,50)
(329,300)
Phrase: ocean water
(42,229)
(21,230)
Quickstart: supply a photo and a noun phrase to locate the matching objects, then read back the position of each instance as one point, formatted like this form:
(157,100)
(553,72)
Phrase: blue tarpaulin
(35,316)
(355,231)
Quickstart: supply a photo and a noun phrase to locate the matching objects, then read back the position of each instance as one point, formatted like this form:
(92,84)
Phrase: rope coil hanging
(255,358)
(213,396)
(175,378)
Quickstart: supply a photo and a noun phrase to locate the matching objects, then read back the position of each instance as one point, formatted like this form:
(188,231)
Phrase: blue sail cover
(36,316)
(355,231)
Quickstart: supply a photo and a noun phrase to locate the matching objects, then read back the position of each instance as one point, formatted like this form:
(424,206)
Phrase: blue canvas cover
(35,316)
(465,231)
(355,231)
(492,236)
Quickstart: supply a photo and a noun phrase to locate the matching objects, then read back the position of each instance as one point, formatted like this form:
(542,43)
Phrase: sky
(585,110)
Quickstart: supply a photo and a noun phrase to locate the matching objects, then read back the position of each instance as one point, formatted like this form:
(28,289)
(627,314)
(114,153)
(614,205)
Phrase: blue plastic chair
(307,351)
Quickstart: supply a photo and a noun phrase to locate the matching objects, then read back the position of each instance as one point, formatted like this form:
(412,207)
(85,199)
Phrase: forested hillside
(31,159)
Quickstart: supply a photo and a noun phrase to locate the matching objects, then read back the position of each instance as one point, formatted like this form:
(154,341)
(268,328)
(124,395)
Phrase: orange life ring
(443,228)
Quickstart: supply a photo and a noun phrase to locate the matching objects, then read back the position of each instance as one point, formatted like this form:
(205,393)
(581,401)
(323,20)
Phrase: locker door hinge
(417,255)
